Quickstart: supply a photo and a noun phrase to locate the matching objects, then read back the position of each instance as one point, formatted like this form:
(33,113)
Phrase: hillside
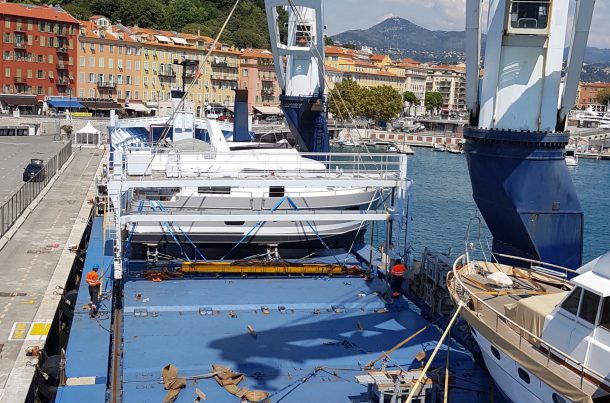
(402,38)
(247,28)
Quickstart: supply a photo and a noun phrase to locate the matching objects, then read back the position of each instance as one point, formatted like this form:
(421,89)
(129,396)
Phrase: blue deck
(88,350)
(289,345)
(302,337)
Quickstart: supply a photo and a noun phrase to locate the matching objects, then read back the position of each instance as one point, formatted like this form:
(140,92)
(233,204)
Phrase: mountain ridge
(399,38)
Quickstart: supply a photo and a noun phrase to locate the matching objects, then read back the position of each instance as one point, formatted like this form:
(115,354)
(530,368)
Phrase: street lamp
(70,103)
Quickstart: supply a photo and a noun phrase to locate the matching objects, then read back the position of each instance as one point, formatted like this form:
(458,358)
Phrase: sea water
(442,204)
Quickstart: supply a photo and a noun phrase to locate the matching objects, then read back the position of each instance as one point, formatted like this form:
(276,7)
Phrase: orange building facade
(588,96)
(38,50)
(257,75)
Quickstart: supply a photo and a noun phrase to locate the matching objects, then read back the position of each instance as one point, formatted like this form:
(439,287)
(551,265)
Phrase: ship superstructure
(515,142)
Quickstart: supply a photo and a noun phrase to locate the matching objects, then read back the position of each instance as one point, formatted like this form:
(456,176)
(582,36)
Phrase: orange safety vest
(398,270)
(93,279)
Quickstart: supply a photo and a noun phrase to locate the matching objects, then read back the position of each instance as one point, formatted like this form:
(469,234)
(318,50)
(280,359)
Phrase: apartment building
(587,96)
(450,82)
(367,70)
(38,51)
(257,75)
(109,62)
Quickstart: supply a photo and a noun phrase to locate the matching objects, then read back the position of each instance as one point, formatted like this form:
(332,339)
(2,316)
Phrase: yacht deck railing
(454,282)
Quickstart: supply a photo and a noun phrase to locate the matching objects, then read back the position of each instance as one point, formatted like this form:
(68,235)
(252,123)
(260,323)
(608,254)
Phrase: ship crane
(515,141)
(299,65)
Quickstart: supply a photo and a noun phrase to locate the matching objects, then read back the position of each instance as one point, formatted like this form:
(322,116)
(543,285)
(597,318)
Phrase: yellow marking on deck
(40,329)
(19,331)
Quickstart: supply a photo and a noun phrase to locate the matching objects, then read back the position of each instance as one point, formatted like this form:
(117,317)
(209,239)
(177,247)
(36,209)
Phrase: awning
(65,103)
(88,129)
(138,107)
(162,38)
(179,41)
(101,105)
(268,110)
(19,100)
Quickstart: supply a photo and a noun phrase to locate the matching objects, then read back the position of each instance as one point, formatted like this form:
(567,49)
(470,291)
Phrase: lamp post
(70,103)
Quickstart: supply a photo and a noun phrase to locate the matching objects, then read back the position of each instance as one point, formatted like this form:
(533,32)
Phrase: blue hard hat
(96,266)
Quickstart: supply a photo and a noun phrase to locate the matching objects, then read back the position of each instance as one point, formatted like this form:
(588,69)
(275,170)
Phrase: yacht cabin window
(571,302)
(529,16)
(589,306)
(604,321)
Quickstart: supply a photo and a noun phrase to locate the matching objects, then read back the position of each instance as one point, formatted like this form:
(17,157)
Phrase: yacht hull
(505,373)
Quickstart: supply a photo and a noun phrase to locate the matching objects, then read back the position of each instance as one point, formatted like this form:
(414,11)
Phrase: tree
(68,129)
(182,12)
(346,100)
(349,46)
(433,100)
(328,41)
(603,96)
(383,103)
(410,97)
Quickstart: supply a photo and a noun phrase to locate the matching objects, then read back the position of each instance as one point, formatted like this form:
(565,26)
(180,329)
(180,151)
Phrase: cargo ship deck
(299,338)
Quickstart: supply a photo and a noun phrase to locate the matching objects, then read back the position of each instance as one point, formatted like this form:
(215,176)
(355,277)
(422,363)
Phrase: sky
(342,15)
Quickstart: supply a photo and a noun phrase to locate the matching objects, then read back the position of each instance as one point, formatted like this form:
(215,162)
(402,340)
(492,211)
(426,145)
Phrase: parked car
(34,172)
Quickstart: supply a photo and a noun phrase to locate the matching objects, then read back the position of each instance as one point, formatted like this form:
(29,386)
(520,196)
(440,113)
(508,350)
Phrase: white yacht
(570,155)
(544,338)
(221,196)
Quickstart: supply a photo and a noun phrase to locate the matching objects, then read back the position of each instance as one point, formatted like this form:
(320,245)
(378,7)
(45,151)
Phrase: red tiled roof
(257,53)
(378,58)
(37,12)
(408,60)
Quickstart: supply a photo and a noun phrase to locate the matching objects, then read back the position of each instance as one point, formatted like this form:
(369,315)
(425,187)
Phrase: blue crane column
(515,142)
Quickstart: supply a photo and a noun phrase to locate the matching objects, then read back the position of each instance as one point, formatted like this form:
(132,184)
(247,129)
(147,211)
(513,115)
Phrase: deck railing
(254,164)
(459,289)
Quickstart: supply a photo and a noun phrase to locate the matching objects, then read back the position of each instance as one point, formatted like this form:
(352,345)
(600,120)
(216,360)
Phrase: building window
(111,49)
(245,73)
(525,377)
(7,72)
(81,61)
(128,64)
(7,55)
(101,62)
(92,62)
(101,47)
(91,93)
(137,65)
(91,77)
(7,37)
(110,63)
(40,91)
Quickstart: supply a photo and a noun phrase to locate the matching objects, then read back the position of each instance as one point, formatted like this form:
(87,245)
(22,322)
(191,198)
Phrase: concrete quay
(35,264)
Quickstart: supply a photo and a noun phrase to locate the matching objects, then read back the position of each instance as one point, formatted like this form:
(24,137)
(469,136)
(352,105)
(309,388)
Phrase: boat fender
(67,303)
(47,377)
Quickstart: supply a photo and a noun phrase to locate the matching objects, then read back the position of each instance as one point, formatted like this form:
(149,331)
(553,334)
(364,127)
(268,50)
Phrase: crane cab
(528,17)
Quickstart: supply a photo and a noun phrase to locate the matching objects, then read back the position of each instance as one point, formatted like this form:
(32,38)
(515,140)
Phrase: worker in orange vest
(397,272)
(93,281)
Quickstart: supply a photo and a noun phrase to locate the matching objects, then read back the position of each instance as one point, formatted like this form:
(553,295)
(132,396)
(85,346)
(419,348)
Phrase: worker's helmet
(96,266)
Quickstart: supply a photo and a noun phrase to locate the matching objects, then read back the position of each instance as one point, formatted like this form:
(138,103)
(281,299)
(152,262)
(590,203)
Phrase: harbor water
(442,203)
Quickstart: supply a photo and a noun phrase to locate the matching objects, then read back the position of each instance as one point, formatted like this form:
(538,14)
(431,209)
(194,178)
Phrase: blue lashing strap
(257,225)
(260,223)
(156,207)
(197,251)
(127,247)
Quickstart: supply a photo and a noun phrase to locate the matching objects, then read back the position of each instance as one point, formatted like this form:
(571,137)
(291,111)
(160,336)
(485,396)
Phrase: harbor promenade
(34,266)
